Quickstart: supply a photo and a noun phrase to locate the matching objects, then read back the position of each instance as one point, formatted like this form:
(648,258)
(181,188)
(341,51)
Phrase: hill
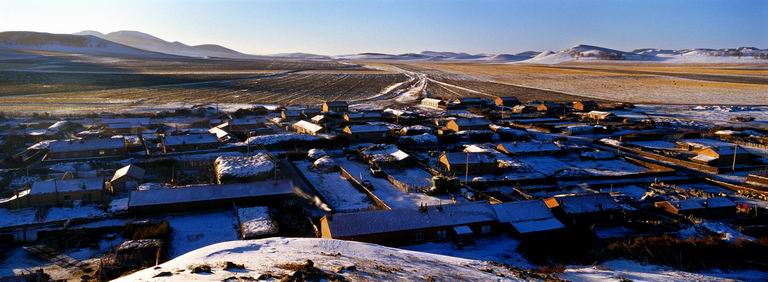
(68,43)
(588,53)
(281,257)
(149,42)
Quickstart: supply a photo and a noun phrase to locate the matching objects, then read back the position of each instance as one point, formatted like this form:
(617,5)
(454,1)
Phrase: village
(97,196)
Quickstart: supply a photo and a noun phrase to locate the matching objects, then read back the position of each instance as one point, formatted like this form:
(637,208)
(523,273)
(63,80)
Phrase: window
(442,234)
(419,236)
(102,152)
(485,229)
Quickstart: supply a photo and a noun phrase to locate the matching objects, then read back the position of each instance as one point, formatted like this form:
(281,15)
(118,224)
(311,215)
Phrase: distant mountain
(588,53)
(149,42)
(436,56)
(302,56)
(68,43)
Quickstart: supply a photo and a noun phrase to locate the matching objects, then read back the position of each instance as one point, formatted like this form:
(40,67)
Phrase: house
(529,148)
(551,108)
(523,109)
(723,156)
(289,115)
(470,102)
(434,103)
(335,106)
(475,163)
(707,208)
(585,106)
(58,192)
(306,127)
(368,116)
(506,101)
(127,178)
(244,125)
(191,142)
(601,116)
(462,124)
(531,219)
(201,197)
(366,132)
(399,227)
(86,148)
(587,209)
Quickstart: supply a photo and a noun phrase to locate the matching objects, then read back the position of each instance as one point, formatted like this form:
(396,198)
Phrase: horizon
(342,27)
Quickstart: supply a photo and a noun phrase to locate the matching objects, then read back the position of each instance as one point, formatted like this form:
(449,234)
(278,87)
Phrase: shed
(127,178)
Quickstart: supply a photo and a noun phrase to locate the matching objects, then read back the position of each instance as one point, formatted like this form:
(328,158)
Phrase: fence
(359,185)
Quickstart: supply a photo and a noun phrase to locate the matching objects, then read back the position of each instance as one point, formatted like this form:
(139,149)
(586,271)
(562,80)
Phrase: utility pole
(466,170)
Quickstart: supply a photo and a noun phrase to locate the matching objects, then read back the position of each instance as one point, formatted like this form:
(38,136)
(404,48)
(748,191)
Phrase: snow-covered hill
(278,257)
(68,43)
(441,56)
(589,53)
(149,42)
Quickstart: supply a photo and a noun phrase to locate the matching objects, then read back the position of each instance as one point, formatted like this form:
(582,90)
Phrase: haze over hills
(67,43)
(587,53)
(139,44)
(149,42)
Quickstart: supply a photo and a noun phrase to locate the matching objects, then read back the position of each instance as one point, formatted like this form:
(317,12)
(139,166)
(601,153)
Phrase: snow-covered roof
(246,121)
(471,122)
(529,147)
(244,166)
(67,185)
(472,158)
(703,158)
(86,145)
(129,170)
(318,118)
(256,221)
(220,133)
(308,126)
(210,192)
(383,153)
(537,225)
(386,221)
(521,211)
(365,128)
(422,139)
(587,203)
(599,113)
(174,140)
(273,139)
(719,202)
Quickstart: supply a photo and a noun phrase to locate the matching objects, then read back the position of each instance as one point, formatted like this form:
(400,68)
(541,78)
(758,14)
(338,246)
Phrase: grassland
(643,83)
(63,83)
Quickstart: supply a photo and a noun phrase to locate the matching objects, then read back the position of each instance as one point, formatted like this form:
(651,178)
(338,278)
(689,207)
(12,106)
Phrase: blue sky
(396,26)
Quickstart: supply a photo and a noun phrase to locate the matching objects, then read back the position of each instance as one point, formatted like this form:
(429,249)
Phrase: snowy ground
(371,262)
(617,270)
(498,248)
(340,194)
(388,193)
(716,115)
(193,231)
